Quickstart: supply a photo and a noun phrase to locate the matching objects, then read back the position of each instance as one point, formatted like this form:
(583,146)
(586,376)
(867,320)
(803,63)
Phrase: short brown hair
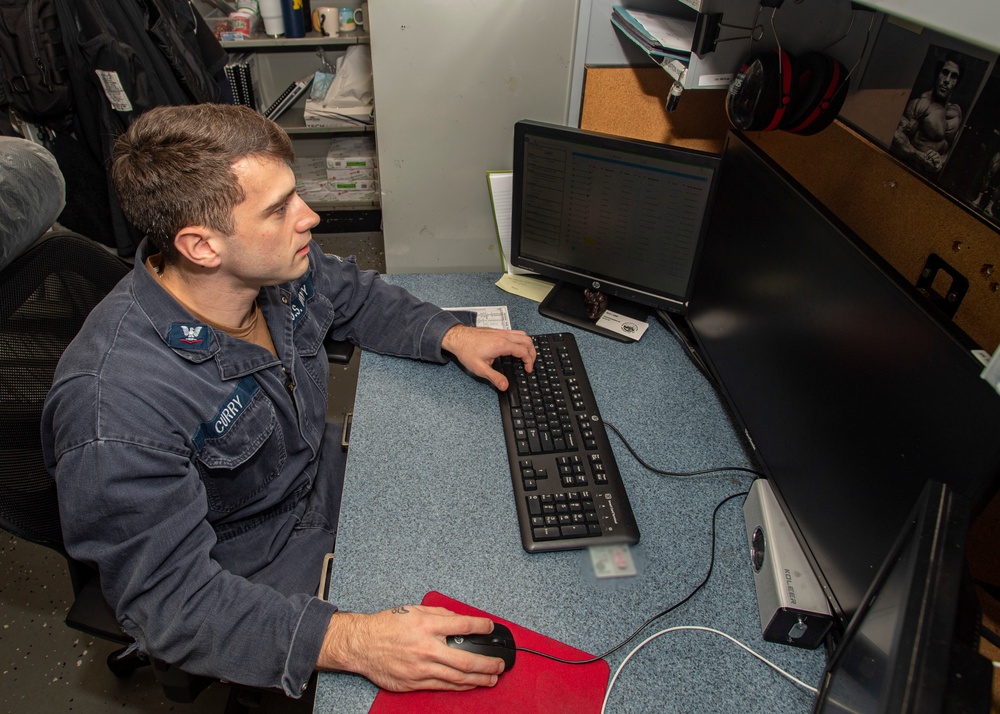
(172,167)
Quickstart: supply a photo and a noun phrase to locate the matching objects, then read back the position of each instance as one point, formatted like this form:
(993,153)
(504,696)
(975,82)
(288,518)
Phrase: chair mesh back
(45,295)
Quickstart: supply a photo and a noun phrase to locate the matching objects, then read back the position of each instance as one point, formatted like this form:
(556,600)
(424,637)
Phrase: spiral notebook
(534,684)
(288,97)
(239,70)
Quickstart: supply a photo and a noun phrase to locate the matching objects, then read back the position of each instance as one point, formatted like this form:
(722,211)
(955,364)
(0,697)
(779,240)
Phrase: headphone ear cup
(761,91)
(818,95)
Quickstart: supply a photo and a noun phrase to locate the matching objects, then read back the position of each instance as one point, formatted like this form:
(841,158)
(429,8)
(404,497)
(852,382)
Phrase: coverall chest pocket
(241,450)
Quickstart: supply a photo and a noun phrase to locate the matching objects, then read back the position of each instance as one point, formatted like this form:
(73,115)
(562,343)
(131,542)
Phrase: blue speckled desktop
(428,505)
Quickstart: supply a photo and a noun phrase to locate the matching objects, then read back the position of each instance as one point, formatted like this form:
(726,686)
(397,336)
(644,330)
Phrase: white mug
(361,15)
(326,21)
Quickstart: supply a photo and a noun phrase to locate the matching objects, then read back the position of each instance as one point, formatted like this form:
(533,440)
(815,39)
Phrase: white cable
(772,665)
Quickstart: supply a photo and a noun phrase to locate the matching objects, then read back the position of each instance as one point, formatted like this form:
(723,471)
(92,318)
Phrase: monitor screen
(852,394)
(620,216)
(905,650)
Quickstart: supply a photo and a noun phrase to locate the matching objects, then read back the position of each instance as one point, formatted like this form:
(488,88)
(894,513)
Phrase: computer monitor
(852,393)
(622,217)
(907,649)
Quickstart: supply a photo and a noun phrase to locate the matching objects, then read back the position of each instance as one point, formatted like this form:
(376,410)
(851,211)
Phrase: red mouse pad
(534,684)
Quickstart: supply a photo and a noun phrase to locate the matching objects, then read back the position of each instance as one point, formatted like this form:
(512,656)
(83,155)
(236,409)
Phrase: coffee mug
(326,21)
(347,21)
(361,15)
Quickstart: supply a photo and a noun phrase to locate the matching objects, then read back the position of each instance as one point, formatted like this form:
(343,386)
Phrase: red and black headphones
(772,91)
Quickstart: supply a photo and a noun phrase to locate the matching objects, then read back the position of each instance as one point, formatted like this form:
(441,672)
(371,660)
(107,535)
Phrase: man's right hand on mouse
(404,649)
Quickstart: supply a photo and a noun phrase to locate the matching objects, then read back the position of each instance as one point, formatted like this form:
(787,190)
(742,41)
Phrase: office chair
(45,295)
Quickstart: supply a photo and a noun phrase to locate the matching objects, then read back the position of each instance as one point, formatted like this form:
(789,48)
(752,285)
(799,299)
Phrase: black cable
(644,625)
(662,472)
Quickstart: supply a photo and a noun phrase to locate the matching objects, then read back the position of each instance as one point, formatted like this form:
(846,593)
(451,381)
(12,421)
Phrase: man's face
(947,79)
(270,243)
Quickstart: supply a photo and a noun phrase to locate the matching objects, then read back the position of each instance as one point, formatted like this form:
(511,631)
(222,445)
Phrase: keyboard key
(546,533)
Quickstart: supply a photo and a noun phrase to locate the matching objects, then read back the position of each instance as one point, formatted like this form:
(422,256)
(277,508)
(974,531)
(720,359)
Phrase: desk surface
(428,505)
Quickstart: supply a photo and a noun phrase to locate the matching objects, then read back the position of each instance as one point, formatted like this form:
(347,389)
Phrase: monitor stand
(565,303)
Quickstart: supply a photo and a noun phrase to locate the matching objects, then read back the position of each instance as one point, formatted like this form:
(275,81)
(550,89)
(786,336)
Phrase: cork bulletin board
(630,101)
(903,218)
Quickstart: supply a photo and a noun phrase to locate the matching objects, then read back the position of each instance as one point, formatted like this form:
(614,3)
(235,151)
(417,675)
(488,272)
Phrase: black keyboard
(566,482)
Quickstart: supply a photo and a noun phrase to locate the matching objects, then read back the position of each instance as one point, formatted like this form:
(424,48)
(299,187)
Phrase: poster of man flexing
(973,173)
(937,108)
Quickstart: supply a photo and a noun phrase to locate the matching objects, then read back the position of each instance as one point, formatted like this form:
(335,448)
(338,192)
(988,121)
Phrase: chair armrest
(338,351)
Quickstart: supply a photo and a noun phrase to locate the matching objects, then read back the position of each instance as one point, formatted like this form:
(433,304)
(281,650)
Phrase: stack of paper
(351,169)
(661,36)
(317,183)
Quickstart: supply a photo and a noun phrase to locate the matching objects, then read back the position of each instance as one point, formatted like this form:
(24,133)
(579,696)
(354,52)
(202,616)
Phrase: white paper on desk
(524,285)
(493,316)
(501,185)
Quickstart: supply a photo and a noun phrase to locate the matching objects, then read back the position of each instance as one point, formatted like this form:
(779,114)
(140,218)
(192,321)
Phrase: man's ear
(198,245)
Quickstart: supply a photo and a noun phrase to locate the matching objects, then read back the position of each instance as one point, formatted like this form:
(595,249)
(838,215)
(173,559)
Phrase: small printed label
(631,328)
(114,90)
(612,561)
(715,80)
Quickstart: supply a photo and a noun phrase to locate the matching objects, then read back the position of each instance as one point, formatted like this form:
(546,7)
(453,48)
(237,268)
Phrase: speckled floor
(368,248)
(46,667)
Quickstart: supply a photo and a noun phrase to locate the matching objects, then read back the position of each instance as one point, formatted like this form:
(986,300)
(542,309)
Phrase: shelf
(311,41)
(282,60)
(293,122)
(343,205)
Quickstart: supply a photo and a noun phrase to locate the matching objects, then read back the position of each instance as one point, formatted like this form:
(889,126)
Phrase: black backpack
(34,68)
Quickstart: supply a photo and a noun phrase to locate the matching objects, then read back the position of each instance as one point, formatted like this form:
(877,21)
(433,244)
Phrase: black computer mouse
(499,643)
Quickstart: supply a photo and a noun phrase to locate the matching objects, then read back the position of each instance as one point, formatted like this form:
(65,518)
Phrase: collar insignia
(189,337)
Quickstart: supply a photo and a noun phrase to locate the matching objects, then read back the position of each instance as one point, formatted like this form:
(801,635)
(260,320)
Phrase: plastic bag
(351,96)
(32,195)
